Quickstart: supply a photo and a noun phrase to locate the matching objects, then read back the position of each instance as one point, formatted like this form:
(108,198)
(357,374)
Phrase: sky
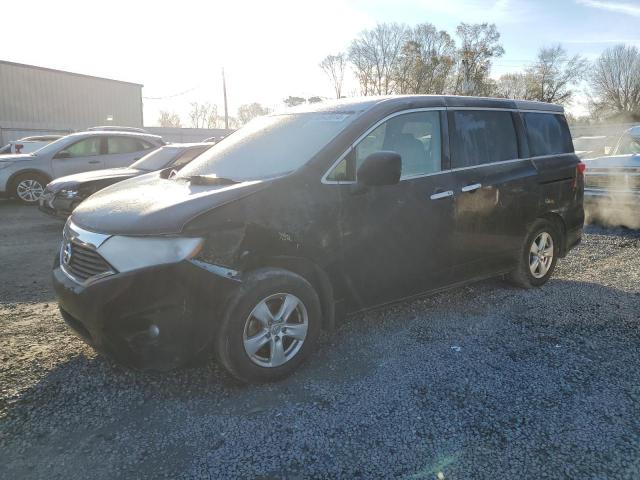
(271,49)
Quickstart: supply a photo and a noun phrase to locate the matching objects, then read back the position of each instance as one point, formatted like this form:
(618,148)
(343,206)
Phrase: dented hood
(149,204)
(93,176)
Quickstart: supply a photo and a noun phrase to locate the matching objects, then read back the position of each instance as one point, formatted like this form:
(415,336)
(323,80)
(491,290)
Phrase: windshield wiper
(209,180)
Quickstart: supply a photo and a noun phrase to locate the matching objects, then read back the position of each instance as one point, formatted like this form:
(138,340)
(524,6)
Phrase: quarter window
(547,134)
(125,145)
(415,136)
(482,136)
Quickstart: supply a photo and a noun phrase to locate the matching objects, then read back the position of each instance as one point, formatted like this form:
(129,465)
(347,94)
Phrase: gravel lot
(486,381)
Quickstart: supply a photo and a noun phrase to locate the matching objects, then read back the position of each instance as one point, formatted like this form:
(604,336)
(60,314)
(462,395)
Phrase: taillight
(580,168)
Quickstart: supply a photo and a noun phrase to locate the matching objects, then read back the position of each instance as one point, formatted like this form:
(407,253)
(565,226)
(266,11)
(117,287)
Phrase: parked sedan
(28,144)
(64,194)
(612,184)
(25,176)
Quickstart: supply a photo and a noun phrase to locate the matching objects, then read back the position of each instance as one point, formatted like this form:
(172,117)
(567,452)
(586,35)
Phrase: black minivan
(302,217)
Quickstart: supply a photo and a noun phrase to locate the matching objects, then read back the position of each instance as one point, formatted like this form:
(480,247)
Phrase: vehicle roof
(361,104)
(188,145)
(111,133)
(39,138)
(112,128)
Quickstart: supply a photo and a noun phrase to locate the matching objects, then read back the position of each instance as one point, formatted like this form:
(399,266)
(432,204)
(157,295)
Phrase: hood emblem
(67,251)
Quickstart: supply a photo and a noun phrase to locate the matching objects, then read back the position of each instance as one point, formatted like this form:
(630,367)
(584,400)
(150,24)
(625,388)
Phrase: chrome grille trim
(79,258)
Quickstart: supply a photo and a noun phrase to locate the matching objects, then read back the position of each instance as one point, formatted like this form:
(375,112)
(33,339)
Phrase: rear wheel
(270,327)
(28,187)
(538,256)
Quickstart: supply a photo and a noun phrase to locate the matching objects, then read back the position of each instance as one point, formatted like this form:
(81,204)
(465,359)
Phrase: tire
(256,346)
(529,273)
(28,187)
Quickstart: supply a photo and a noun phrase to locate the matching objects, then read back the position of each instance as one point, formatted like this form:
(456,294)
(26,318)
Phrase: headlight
(132,253)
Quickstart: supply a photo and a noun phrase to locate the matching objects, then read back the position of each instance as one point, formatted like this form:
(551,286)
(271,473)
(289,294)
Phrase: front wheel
(270,326)
(28,188)
(538,256)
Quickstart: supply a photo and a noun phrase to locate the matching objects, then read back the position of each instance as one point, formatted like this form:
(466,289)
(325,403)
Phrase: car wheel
(28,188)
(538,256)
(270,326)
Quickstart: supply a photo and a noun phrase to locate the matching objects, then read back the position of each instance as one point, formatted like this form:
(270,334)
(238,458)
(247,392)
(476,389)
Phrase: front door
(81,156)
(396,239)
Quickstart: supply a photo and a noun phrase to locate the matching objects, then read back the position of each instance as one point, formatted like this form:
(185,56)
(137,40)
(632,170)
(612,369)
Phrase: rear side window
(482,136)
(547,134)
(125,145)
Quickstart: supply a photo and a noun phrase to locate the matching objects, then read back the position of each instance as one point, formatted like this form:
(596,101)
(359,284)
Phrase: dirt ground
(485,381)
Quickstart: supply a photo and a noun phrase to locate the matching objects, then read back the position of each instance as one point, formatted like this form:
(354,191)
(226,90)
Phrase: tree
(426,61)
(333,67)
(250,111)
(554,74)
(169,119)
(479,45)
(199,114)
(615,81)
(315,99)
(293,101)
(212,118)
(515,85)
(375,56)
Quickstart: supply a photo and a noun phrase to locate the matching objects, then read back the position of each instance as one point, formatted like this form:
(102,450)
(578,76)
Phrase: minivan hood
(93,175)
(151,205)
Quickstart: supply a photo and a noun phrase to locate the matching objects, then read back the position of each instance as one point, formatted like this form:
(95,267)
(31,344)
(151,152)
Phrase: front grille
(613,182)
(83,262)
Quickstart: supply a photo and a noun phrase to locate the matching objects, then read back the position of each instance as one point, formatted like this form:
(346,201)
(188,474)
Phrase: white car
(28,144)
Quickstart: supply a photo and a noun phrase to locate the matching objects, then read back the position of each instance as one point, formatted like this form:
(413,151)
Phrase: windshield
(270,146)
(628,145)
(157,159)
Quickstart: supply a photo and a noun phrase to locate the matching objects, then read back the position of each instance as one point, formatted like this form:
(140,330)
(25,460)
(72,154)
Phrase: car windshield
(157,159)
(270,146)
(628,145)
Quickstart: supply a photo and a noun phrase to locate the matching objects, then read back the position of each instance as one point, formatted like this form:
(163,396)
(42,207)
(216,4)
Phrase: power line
(173,95)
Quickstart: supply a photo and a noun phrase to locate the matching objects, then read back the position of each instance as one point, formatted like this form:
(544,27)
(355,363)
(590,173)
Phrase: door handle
(436,196)
(471,188)
(94,161)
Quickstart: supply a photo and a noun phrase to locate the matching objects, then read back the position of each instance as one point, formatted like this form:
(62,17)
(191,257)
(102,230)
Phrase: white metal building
(36,100)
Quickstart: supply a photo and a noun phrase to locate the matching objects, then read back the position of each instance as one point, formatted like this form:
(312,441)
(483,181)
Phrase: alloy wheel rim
(541,255)
(275,330)
(29,190)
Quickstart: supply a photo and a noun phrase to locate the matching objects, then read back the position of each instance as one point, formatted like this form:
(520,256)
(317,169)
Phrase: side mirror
(380,168)
(63,154)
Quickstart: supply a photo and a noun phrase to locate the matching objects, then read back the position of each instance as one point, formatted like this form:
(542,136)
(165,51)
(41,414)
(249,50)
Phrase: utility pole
(224,91)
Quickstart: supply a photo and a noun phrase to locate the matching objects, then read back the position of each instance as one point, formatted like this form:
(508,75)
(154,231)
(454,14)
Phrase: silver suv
(25,176)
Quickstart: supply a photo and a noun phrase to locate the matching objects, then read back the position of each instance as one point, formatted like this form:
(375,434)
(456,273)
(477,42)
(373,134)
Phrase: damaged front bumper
(156,318)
